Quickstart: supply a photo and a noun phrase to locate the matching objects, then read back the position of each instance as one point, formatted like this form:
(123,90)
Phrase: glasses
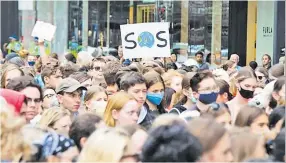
(35,100)
(49,95)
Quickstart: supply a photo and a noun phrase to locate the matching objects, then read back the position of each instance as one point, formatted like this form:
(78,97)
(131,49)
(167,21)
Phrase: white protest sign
(145,40)
(44,30)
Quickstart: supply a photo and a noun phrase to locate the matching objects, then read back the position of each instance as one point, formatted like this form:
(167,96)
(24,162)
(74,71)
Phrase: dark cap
(69,85)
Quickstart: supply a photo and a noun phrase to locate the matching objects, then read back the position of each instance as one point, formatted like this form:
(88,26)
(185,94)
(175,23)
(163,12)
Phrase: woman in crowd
(49,99)
(278,94)
(224,94)
(253,117)
(266,61)
(214,139)
(9,72)
(57,119)
(155,93)
(245,82)
(95,100)
(108,145)
(173,79)
(121,109)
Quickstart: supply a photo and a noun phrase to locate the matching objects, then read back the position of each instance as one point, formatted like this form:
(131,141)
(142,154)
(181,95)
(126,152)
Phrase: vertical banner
(145,40)
(265,30)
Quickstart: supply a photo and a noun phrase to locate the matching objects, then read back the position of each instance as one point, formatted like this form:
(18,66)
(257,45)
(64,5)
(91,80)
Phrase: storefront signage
(145,40)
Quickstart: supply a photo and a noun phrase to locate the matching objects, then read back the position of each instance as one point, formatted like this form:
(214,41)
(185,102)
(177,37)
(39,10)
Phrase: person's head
(70,58)
(262,75)
(68,69)
(82,127)
(108,145)
(199,57)
(253,65)
(51,76)
(16,100)
(69,93)
(96,99)
(224,94)
(138,136)
(57,119)
(83,58)
(173,79)
(33,93)
(17,61)
(9,72)
(54,55)
(245,82)
(173,57)
(246,145)
(234,58)
(229,66)
(171,66)
(276,118)
(171,143)
(266,59)
(221,113)
(109,73)
(155,87)
(83,78)
(96,67)
(204,87)
(167,119)
(13,144)
(278,93)
(28,71)
(121,109)
(279,147)
(49,98)
(214,139)
(276,71)
(134,84)
(253,117)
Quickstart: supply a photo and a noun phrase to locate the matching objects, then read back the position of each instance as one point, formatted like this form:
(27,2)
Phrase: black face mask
(247,94)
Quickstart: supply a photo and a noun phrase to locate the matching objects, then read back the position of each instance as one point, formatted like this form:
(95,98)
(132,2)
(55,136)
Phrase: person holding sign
(14,45)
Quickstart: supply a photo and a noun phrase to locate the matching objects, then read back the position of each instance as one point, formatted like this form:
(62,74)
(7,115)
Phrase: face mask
(192,98)
(98,107)
(247,94)
(155,98)
(54,101)
(208,98)
(31,63)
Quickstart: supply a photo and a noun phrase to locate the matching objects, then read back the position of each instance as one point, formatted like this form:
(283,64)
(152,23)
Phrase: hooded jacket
(13,98)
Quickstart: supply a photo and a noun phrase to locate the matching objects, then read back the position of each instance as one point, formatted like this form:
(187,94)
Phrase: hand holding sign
(145,40)
(44,31)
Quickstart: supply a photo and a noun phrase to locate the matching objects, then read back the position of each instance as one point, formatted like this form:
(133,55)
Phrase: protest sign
(145,40)
(44,30)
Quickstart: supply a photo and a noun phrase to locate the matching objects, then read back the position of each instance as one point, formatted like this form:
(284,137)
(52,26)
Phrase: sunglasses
(260,77)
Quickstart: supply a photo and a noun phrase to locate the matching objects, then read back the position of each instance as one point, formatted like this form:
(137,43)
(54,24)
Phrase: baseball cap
(69,85)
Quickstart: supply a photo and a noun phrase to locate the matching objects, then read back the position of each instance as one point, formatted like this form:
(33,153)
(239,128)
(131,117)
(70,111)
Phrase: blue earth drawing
(146,39)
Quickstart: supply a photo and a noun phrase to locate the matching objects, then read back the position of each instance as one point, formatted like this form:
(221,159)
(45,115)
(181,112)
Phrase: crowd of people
(110,109)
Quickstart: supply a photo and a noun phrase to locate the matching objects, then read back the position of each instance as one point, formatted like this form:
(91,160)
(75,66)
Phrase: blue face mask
(31,63)
(208,98)
(155,98)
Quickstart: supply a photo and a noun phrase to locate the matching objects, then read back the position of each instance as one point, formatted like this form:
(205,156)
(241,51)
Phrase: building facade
(217,27)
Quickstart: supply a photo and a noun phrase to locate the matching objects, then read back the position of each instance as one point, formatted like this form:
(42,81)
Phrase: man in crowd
(200,60)
(69,93)
(33,93)
(51,76)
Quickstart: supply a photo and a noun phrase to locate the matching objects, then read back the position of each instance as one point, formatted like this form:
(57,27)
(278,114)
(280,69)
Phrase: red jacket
(13,98)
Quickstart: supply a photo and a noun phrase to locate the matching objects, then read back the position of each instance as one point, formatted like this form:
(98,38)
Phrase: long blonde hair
(52,115)
(13,144)
(116,102)
(106,145)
